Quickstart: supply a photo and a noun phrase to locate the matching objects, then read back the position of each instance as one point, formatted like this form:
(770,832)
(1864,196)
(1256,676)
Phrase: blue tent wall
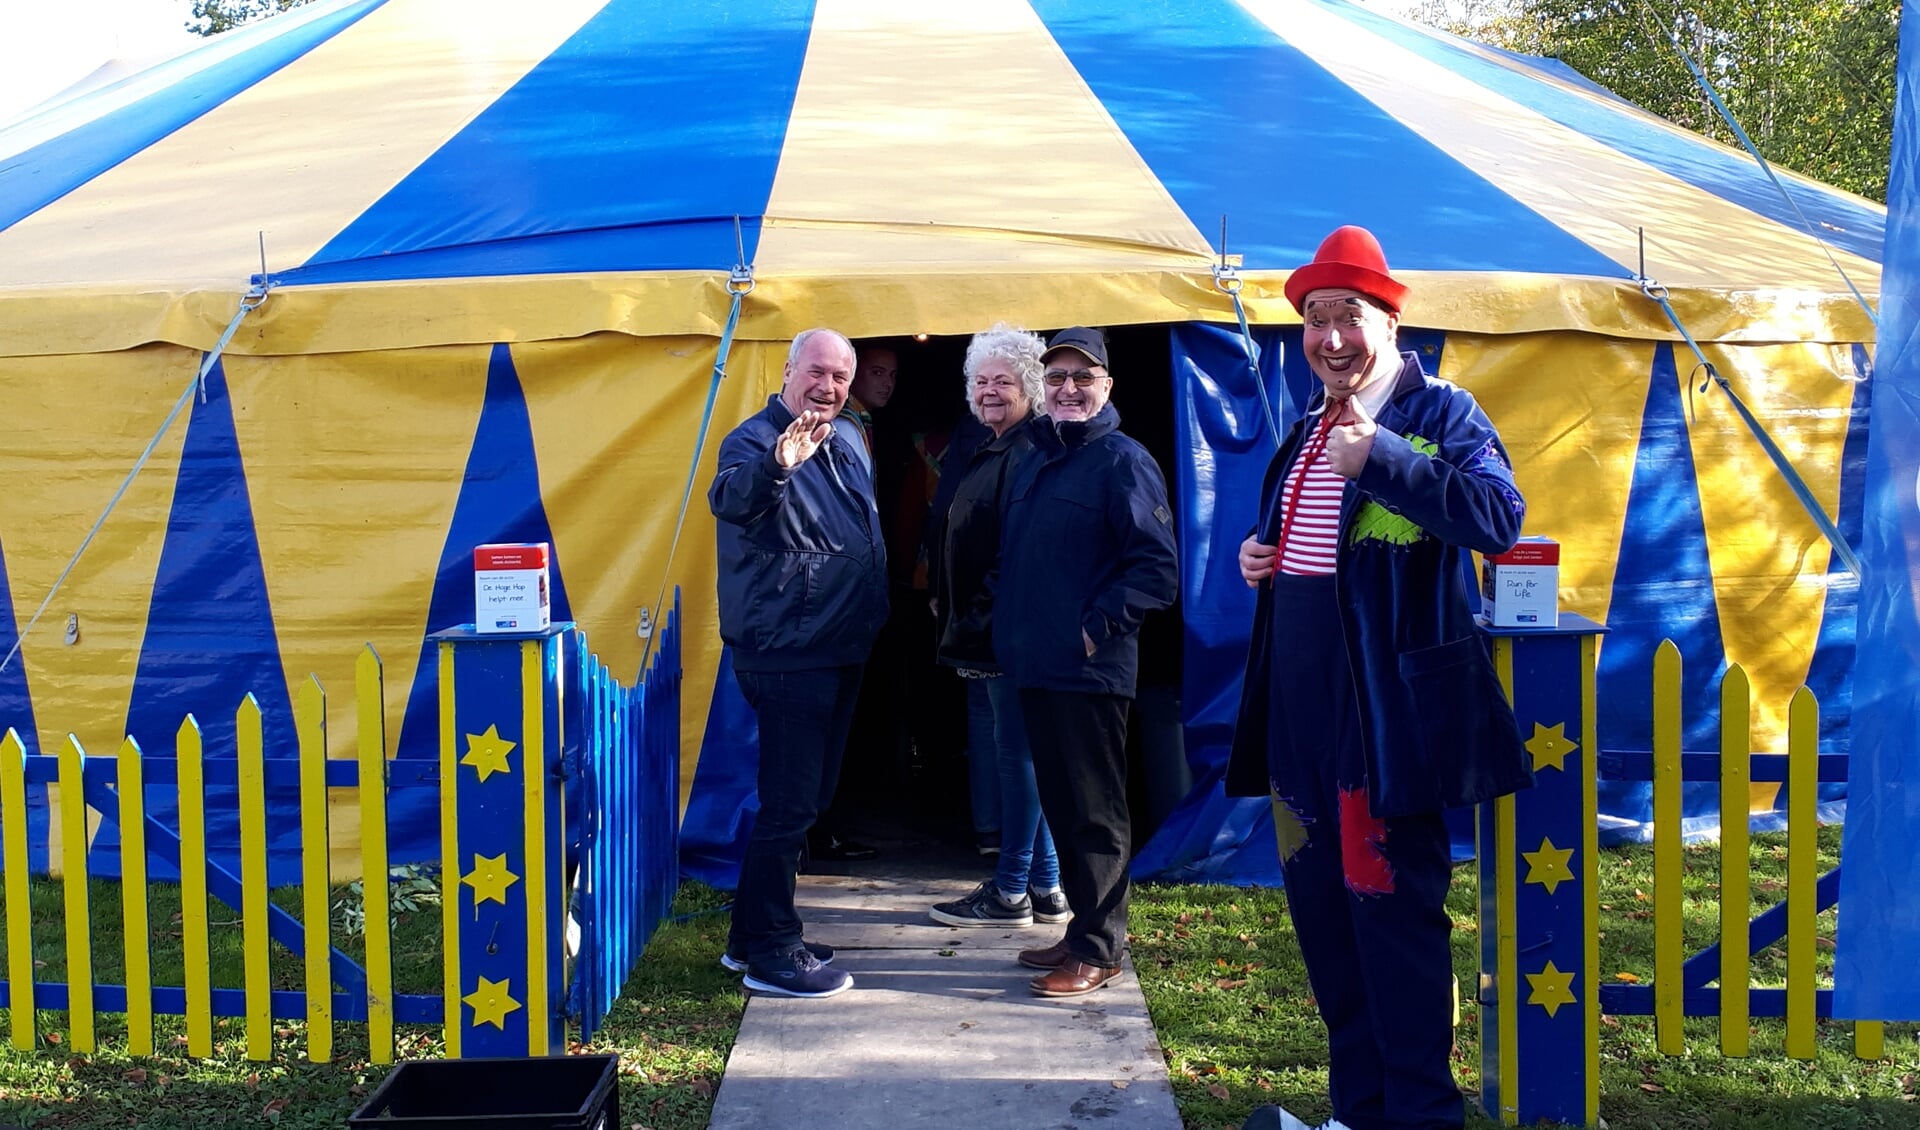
(1880,931)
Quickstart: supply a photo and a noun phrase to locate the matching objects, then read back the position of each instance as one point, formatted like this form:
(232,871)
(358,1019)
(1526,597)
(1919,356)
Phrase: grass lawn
(1218,964)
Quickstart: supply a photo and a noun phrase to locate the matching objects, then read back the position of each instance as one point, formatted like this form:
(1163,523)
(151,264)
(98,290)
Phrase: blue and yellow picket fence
(612,753)
(1541,990)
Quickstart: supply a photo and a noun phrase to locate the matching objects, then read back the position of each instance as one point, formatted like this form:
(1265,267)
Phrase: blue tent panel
(210,641)
(1213,101)
(1880,931)
(646,165)
(1843,222)
(50,170)
(499,501)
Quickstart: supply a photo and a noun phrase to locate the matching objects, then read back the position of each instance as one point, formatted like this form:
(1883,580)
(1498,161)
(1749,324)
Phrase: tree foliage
(1810,81)
(211,17)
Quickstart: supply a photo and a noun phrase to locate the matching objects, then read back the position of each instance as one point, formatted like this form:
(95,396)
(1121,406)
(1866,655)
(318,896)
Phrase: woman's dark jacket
(1437,729)
(803,569)
(1088,547)
(966,546)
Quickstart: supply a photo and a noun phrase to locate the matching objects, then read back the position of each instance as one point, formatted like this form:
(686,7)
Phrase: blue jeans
(1027,856)
(983,759)
(804,717)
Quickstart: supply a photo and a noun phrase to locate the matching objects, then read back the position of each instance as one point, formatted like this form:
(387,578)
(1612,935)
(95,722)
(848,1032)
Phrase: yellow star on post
(1551,988)
(488,752)
(491,1003)
(1547,867)
(490,879)
(1550,746)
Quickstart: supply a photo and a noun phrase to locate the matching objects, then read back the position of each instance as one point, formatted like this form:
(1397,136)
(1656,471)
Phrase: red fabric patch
(1362,838)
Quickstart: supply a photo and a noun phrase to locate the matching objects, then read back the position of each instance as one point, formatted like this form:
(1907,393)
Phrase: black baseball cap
(1091,344)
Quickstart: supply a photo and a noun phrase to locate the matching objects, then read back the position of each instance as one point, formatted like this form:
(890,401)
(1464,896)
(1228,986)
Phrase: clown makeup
(1344,335)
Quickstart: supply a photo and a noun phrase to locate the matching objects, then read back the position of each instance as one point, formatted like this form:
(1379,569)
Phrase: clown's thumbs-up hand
(1351,438)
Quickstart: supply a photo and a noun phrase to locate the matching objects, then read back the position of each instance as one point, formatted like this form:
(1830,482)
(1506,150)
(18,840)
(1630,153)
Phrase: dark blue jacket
(803,569)
(1088,546)
(1437,728)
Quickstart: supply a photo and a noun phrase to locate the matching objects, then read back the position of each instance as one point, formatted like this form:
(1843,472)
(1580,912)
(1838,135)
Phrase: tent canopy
(924,167)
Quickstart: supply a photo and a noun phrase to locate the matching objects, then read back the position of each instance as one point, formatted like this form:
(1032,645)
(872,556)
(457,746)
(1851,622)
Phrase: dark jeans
(804,717)
(1079,744)
(1367,895)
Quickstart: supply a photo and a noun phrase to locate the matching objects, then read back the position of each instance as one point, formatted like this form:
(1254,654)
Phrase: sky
(46,46)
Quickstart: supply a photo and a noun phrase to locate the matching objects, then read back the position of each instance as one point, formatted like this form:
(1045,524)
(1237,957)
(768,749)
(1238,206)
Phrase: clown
(1370,703)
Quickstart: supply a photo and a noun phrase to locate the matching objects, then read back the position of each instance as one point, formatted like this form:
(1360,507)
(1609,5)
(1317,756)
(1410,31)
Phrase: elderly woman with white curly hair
(1003,392)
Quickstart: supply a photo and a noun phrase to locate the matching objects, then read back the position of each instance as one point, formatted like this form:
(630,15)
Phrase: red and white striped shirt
(1312,532)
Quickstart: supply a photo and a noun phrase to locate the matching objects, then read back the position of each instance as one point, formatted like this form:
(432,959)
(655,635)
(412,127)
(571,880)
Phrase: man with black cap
(1087,552)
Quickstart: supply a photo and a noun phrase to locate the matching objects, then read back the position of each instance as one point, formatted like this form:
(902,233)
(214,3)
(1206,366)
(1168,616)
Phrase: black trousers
(804,717)
(1367,895)
(1079,746)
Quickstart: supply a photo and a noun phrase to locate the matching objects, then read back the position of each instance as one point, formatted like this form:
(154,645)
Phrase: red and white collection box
(1521,587)
(510,587)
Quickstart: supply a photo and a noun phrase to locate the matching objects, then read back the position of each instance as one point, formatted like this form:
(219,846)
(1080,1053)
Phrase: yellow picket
(450,898)
(1735,796)
(134,928)
(251,750)
(1590,861)
(1803,778)
(1506,924)
(1668,868)
(193,889)
(533,714)
(73,861)
(1869,1039)
(371,713)
(13,857)
(310,724)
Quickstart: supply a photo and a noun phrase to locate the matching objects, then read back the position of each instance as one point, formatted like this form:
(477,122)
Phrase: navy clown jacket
(1437,729)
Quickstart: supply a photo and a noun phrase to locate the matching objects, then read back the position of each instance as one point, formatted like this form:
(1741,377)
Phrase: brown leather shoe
(1073,978)
(1048,957)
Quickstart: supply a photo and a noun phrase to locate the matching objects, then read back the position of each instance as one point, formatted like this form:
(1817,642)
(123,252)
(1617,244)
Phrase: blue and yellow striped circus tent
(495,241)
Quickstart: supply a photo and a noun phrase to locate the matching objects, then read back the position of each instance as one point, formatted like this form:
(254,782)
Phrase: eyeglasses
(1082,378)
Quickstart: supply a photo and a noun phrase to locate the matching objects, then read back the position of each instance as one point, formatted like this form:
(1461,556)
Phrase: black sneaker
(986,906)
(794,972)
(821,952)
(1050,907)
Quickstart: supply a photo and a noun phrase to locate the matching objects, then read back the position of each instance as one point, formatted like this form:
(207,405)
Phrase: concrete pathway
(939,1030)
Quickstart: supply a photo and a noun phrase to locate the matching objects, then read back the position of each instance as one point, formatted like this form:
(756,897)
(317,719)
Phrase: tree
(1810,81)
(216,16)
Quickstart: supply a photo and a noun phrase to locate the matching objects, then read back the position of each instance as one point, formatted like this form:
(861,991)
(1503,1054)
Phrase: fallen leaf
(273,1108)
(701,1087)
(1627,977)
(1653,1087)
(1218,1092)
(1234,983)
(53,1037)
(966,1024)
(136,1076)
(1122,1084)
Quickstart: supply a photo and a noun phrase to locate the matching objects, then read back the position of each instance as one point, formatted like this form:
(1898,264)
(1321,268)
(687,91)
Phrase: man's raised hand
(802,438)
(1351,439)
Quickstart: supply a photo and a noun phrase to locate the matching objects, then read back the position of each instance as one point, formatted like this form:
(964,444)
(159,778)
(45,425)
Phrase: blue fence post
(503,841)
(1539,889)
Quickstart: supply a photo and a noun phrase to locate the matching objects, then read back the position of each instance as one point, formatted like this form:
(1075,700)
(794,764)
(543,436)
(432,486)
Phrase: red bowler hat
(1349,258)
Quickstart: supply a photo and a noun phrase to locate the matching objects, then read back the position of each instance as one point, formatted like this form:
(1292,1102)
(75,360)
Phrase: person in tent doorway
(1087,551)
(1002,370)
(793,502)
(1370,702)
